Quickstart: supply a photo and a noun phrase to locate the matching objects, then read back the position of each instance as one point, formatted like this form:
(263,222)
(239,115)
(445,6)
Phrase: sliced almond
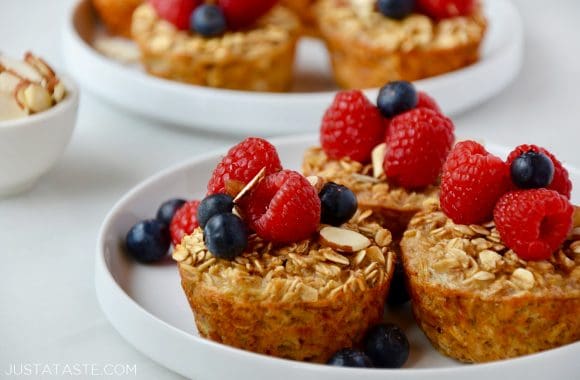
(378,157)
(365,178)
(9,108)
(250,185)
(58,92)
(37,98)
(316,182)
(23,69)
(343,240)
(40,65)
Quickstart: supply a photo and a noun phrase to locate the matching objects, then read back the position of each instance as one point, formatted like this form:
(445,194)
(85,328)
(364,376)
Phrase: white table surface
(48,310)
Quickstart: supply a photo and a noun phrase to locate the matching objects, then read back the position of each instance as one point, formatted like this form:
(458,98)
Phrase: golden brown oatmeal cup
(302,301)
(477,301)
(257,59)
(368,49)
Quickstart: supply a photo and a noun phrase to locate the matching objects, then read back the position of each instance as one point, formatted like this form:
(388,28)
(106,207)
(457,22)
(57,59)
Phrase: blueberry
(532,170)
(167,210)
(338,204)
(398,294)
(386,345)
(208,20)
(225,236)
(148,240)
(213,205)
(396,8)
(349,357)
(397,97)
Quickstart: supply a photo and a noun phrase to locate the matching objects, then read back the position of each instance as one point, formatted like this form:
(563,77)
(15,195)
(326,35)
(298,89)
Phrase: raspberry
(243,162)
(561,181)
(471,183)
(534,223)
(284,207)
(177,12)
(426,101)
(242,13)
(184,221)
(439,9)
(351,127)
(418,142)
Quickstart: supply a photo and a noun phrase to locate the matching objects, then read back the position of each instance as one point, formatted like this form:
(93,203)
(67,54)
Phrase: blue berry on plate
(213,205)
(167,210)
(225,236)
(532,170)
(208,20)
(386,345)
(338,204)
(398,294)
(397,97)
(396,8)
(148,240)
(349,357)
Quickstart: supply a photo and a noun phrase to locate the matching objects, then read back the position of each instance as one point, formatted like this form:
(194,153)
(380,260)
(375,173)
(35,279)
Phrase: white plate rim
(78,54)
(110,292)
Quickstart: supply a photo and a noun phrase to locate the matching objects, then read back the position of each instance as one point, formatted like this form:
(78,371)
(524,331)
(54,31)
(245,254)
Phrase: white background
(48,310)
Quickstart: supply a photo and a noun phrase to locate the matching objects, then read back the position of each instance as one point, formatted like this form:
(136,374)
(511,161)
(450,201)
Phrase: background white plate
(243,113)
(146,305)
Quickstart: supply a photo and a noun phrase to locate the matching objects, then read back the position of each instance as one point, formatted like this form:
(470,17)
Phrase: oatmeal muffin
(116,14)
(300,301)
(477,301)
(256,59)
(394,204)
(368,49)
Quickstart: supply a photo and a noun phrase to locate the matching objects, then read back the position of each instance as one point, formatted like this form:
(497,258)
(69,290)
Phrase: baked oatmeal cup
(395,205)
(368,49)
(477,301)
(301,301)
(257,59)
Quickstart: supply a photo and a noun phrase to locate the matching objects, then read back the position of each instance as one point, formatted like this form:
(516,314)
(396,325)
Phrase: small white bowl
(30,146)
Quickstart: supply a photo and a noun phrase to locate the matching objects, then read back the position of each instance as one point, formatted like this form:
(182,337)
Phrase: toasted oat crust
(116,14)
(301,301)
(257,59)
(395,204)
(368,49)
(477,301)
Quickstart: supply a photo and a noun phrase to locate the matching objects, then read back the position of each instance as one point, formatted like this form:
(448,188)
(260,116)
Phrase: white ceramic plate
(243,113)
(146,305)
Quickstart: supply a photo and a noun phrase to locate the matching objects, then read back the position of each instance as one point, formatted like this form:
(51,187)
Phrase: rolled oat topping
(304,271)
(474,258)
(360,19)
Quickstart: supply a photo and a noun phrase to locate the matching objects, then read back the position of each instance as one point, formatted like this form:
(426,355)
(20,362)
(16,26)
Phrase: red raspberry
(243,162)
(184,221)
(439,9)
(351,127)
(177,12)
(471,183)
(242,13)
(561,181)
(284,207)
(534,223)
(426,101)
(418,142)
